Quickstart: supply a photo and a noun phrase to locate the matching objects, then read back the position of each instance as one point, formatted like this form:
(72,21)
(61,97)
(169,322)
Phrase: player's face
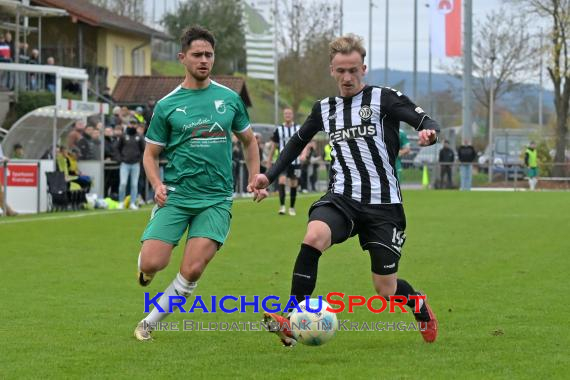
(198,59)
(348,71)
(288,115)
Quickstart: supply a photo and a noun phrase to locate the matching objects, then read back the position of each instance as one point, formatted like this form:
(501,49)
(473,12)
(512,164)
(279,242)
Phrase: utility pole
(415,81)
(540,90)
(491,117)
(341,16)
(386,44)
(370,5)
(467,71)
(429,69)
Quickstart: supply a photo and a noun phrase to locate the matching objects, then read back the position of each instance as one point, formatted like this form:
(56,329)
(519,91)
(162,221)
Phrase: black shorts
(380,226)
(292,171)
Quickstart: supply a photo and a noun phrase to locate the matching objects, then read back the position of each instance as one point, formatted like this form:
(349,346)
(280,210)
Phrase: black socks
(305,272)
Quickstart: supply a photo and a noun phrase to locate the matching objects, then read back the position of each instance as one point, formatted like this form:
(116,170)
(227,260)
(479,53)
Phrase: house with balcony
(106,44)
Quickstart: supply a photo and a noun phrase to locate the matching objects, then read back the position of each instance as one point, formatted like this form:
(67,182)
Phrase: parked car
(507,161)
(427,155)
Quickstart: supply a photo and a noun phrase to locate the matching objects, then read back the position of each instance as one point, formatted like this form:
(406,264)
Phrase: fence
(447,176)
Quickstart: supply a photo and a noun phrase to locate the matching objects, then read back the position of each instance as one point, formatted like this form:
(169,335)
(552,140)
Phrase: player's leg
(281,183)
(382,234)
(153,257)
(327,226)
(384,266)
(165,228)
(293,184)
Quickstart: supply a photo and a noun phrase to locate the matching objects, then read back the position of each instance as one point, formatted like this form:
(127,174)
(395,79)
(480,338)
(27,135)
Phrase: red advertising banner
(20,175)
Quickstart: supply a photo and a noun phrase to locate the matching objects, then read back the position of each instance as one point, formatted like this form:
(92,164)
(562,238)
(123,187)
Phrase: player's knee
(193,271)
(152,264)
(317,240)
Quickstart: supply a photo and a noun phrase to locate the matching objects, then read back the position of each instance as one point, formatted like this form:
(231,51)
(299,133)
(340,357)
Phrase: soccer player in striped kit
(280,138)
(364,195)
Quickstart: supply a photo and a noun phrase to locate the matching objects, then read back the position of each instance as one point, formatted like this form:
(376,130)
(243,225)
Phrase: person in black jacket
(446,158)
(466,154)
(130,148)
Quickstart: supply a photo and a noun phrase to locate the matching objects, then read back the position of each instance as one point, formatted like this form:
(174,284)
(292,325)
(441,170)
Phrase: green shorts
(168,223)
(532,172)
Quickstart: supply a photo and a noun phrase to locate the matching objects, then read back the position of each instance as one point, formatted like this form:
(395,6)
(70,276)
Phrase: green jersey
(195,127)
(403,143)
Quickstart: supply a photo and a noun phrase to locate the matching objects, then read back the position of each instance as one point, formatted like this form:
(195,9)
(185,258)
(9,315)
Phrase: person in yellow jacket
(531,163)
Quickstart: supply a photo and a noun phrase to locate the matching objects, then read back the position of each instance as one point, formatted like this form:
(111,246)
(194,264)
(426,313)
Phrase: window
(118,61)
(138,62)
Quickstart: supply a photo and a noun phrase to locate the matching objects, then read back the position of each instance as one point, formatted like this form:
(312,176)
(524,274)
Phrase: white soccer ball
(313,329)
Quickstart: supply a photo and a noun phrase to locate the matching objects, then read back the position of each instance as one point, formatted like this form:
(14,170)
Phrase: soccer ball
(313,329)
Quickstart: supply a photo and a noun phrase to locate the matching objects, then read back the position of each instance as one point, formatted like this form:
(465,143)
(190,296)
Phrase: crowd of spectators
(9,51)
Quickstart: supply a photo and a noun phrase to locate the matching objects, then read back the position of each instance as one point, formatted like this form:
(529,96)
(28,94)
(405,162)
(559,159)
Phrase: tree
(133,9)
(557,12)
(224,19)
(305,30)
(504,53)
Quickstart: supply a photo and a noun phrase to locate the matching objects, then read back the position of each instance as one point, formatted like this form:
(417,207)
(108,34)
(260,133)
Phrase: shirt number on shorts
(398,237)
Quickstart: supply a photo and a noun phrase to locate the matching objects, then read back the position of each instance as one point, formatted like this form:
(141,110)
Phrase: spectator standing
(50,78)
(446,158)
(111,166)
(130,148)
(531,163)
(466,154)
(149,110)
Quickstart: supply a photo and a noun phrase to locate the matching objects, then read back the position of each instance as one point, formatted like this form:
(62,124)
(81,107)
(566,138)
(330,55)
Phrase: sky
(401,35)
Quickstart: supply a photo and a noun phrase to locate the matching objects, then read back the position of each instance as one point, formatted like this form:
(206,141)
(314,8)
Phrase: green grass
(495,266)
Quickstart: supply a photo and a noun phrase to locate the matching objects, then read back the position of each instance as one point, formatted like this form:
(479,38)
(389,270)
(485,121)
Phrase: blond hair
(346,45)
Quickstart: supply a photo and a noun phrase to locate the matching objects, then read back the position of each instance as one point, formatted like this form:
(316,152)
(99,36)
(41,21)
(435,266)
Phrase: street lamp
(491,118)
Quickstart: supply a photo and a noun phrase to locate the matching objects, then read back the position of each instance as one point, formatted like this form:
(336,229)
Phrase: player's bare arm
(269,161)
(251,152)
(150,163)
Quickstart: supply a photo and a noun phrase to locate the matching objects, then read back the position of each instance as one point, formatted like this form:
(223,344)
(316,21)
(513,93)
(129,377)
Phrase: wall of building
(109,41)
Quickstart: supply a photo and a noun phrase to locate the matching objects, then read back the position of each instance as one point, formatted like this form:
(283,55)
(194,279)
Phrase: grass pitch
(495,266)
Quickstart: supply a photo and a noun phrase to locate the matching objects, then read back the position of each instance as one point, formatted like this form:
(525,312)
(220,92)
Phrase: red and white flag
(446,28)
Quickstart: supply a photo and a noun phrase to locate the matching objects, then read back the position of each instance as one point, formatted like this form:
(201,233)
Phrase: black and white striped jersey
(364,136)
(282,135)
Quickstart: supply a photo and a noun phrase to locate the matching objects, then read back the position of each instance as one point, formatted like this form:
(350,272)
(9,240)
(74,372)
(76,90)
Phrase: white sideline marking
(72,214)
(68,216)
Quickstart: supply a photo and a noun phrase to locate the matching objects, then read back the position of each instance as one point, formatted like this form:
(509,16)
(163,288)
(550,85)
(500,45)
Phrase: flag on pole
(260,39)
(446,28)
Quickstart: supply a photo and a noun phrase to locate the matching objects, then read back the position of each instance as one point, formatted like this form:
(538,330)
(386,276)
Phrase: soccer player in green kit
(193,125)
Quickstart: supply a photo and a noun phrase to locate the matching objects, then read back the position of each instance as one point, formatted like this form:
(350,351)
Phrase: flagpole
(275,65)
(386,46)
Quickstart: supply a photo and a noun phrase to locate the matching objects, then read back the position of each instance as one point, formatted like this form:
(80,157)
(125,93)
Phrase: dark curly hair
(194,33)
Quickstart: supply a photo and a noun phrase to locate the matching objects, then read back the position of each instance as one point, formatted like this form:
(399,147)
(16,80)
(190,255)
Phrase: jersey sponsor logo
(354,132)
(208,132)
(183,110)
(199,122)
(365,113)
(220,106)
